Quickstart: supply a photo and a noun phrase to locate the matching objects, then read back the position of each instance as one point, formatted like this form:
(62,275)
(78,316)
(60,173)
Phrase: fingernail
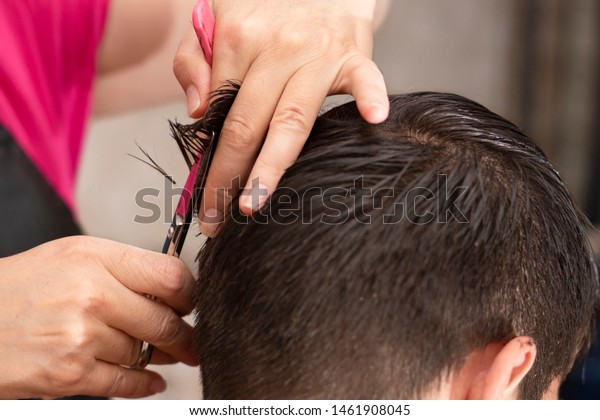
(193,99)
(255,197)
(158,386)
(210,222)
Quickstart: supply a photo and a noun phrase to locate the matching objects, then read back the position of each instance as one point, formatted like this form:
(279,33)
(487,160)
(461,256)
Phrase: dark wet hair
(388,253)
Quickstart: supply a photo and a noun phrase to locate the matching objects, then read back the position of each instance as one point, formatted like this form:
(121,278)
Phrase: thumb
(193,73)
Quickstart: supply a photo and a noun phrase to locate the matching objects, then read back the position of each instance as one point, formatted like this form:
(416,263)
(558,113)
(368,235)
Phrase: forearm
(135,61)
(137,29)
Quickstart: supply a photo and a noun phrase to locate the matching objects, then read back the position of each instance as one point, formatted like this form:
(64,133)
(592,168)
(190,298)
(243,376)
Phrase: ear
(506,370)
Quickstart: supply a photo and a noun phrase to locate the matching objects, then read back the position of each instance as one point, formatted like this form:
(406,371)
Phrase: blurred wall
(460,46)
(471,47)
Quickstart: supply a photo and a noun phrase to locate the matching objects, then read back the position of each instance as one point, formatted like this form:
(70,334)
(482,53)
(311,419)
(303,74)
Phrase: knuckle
(371,67)
(328,41)
(91,300)
(271,171)
(75,246)
(293,40)
(179,65)
(71,363)
(174,276)
(359,63)
(371,73)
(239,33)
(127,255)
(71,375)
(323,43)
(358,71)
(238,131)
(292,117)
(117,384)
(169,330)
(75,376)
(78,341)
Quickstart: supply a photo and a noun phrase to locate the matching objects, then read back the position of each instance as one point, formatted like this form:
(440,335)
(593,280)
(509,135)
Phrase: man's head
(435,255)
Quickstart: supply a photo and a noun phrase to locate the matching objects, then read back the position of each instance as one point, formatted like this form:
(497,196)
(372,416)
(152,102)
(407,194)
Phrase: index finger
(292,121)
(241,139)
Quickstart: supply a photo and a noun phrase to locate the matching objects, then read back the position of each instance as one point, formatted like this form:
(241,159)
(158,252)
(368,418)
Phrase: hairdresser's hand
(71,315)
(290,55)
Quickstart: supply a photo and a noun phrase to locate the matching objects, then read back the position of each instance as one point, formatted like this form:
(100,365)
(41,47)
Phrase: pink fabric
(47,65)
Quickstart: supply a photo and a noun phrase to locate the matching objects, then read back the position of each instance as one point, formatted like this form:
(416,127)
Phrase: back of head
(389,252)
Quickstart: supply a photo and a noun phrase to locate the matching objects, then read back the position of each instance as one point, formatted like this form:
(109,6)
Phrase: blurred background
(536,62)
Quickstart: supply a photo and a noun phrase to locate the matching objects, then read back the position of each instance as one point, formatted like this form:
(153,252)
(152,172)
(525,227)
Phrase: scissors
(204,26)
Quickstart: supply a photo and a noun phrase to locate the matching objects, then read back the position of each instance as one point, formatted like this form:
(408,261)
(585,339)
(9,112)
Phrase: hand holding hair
(73,317)
(289,55)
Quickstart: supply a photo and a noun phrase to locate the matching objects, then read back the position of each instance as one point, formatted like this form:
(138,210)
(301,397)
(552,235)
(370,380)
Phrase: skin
(290,55)
(72,314)
(134,64)
(71,310)
(492,373)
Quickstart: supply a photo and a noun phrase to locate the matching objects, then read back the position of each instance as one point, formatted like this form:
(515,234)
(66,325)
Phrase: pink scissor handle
(204,25)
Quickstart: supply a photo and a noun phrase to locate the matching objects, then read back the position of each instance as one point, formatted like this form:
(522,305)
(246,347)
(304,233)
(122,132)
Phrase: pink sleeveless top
(47,65)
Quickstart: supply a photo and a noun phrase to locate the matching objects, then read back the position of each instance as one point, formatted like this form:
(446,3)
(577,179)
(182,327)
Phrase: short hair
(388,253)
